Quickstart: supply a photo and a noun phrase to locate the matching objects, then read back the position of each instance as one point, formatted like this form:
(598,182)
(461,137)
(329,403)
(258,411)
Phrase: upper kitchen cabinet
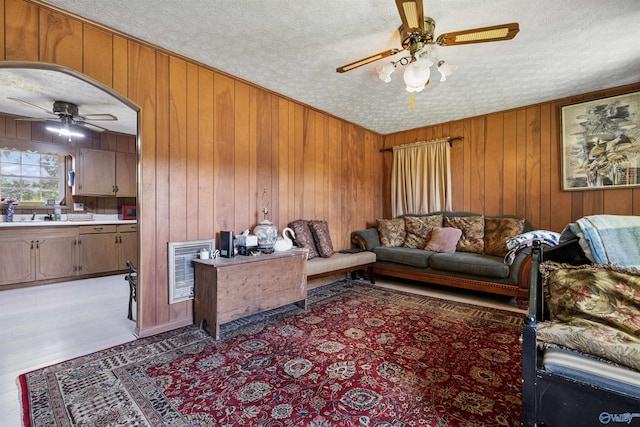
(104,173)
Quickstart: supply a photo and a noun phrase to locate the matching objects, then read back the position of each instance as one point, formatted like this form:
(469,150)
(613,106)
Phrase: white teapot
(284,243)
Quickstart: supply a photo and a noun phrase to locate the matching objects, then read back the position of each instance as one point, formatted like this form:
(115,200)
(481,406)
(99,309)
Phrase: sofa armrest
(366,239)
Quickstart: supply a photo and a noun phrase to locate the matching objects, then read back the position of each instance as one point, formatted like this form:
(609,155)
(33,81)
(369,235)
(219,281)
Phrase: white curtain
(421,177)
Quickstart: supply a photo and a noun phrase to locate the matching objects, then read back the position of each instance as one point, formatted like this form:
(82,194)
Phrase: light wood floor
(44,325)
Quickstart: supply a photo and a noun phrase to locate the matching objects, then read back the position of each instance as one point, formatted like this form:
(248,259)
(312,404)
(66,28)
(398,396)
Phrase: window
(30,176)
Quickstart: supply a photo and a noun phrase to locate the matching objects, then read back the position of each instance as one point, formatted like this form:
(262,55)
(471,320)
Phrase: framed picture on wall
(600,143)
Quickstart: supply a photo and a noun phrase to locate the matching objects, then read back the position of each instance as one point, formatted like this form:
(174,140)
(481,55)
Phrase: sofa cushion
(418,230)
(593,295)
(496,233)
(414,257)
(443,239)
(472,227)
(470,263)
(339,261)
(304,238)
(320,231)
(392,232)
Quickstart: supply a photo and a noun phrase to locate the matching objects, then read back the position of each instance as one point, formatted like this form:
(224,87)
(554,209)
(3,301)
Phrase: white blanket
(613,239)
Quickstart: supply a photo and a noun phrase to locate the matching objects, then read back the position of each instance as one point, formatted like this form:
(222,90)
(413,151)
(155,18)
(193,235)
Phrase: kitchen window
(31,177)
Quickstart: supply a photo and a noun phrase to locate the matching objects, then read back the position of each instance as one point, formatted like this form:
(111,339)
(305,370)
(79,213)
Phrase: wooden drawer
(127,228)
(97,229)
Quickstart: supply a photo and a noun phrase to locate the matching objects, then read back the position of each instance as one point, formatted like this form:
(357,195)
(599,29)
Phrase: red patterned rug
(359,356)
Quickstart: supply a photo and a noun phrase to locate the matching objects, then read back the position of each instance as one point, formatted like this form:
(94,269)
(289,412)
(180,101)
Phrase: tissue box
(248,240)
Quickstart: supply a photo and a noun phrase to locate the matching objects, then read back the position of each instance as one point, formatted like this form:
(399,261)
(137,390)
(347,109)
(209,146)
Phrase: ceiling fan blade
(31,105)
(91,126)
(104,117)
(34,119)
(412,15)
(480,35)
(367,60)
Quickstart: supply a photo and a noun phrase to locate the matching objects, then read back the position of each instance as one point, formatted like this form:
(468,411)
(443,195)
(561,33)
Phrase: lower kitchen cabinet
(41,254)
(127,245)
(54,252)
(16,258)
(27,256)
(97,249)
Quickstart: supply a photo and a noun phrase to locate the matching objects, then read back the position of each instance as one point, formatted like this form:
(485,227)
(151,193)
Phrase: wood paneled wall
(209,144)
(509,163)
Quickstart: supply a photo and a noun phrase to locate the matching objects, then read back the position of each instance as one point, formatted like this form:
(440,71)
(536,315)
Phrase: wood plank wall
(209,144)
(509,163)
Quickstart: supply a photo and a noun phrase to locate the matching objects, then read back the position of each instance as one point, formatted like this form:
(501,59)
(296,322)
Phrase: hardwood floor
(44,325)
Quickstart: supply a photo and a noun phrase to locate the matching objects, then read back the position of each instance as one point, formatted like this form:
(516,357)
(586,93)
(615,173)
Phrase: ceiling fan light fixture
(385,70)
(64,131)
(416,76)
(445,69)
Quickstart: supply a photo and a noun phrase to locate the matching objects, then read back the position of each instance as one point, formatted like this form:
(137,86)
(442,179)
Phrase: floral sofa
(459,249)
(581,336)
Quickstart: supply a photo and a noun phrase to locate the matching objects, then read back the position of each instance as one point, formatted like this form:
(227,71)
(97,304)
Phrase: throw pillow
(304,238)
(443,239)
(472,227)
(603,294)
(392,232)
(419,230)
(320,232)
(496,233)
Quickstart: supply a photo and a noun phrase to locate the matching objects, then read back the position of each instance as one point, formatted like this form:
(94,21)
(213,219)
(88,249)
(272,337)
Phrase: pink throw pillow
(443,239)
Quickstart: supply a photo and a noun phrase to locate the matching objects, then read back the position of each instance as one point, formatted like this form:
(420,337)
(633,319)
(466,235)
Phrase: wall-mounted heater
(181,271)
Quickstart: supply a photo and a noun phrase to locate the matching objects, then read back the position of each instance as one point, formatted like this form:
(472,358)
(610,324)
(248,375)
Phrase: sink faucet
(33,216)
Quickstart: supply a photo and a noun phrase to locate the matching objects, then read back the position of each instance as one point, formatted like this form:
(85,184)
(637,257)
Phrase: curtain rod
(450,139)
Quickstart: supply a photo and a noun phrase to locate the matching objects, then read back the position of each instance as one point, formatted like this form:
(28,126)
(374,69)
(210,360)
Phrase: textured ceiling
(293,47)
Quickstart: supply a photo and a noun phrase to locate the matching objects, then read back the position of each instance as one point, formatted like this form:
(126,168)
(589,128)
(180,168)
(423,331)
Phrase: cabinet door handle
(98,228)
(32,245)
(37,244)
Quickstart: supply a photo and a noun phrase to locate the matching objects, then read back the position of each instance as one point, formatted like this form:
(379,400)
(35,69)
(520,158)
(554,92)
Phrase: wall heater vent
(181,272)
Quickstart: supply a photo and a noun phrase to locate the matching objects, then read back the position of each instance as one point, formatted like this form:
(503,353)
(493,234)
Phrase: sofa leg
(371,274)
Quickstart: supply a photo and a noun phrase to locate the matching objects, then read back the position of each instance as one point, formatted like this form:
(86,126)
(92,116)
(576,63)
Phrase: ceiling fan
(68,114)
(417,35)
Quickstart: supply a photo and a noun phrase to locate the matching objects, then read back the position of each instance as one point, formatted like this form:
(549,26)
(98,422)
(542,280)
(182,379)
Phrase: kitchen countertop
(25,221)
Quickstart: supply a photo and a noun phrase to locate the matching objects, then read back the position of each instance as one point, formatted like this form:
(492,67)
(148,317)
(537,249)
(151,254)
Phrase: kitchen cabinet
(97,249)
(126,177)
(127,242)
(42,254)
(27,256)
(104,173)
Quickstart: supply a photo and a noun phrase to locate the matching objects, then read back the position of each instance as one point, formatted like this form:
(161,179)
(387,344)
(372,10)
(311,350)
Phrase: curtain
(421,177)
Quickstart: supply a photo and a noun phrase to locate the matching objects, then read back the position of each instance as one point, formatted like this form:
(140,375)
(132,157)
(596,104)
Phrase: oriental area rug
(358,356)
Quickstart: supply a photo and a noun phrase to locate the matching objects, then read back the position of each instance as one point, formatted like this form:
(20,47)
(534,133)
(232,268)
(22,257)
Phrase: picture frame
(600,143)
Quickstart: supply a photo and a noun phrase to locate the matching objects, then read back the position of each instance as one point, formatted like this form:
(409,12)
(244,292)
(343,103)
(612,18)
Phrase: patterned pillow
(320,232)
(496,233)
(443,239)
(392,232)
(605,294)
(472,227)
(304,238)
(419,230)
